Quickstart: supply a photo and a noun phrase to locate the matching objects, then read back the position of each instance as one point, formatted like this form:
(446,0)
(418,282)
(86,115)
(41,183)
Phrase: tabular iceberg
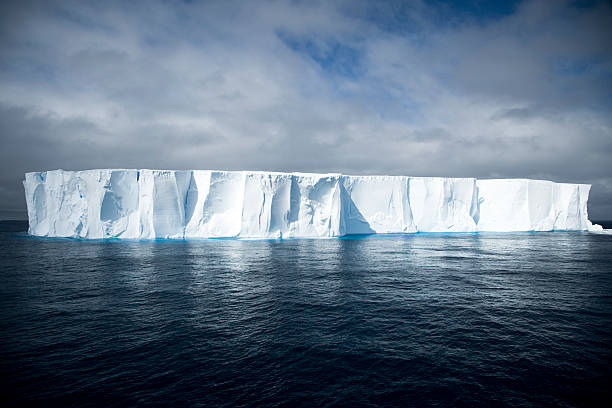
(148,204)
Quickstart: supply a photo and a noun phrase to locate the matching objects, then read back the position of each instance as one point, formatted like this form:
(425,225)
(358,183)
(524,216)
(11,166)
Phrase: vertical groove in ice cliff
(475,206)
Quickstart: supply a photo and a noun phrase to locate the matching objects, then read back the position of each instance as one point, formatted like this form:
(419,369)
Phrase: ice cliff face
(146,204)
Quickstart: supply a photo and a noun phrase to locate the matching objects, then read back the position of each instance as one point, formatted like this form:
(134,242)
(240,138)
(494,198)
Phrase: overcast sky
(432,88)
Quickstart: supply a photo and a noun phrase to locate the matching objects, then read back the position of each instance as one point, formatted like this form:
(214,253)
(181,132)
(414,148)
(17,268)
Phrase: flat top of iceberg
(297,173)
(294,173)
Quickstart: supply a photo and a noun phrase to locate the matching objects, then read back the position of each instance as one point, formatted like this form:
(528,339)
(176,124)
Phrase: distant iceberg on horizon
(185,204)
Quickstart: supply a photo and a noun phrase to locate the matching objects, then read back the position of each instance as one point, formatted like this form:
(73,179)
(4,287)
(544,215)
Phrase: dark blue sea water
(521,319)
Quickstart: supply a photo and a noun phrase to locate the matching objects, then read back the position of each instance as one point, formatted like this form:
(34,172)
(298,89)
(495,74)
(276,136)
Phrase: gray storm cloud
(351,87)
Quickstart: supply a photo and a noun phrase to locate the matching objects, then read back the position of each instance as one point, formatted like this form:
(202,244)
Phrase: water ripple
(447,320)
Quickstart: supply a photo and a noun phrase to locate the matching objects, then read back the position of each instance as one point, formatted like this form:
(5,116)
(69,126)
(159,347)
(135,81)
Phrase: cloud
(355,87)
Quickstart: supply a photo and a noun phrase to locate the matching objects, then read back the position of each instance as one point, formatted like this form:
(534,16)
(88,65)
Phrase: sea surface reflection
(459,319)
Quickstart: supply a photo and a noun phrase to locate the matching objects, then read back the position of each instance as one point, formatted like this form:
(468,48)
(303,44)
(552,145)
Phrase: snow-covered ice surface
(148,204)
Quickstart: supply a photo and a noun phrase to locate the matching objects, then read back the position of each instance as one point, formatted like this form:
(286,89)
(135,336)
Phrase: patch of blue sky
(577,67)
(28,70)
(343,64)
(412,18)
(479,9)
(83,20)
(332,56)
(584,3)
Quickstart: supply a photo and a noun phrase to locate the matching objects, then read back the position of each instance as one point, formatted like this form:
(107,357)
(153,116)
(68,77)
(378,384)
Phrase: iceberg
(189,204)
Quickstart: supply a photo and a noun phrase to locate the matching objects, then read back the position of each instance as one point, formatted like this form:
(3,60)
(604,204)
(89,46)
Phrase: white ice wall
(532,205)
(148,204)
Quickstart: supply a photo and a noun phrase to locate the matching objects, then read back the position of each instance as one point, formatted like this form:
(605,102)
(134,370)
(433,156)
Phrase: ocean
(515,319)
